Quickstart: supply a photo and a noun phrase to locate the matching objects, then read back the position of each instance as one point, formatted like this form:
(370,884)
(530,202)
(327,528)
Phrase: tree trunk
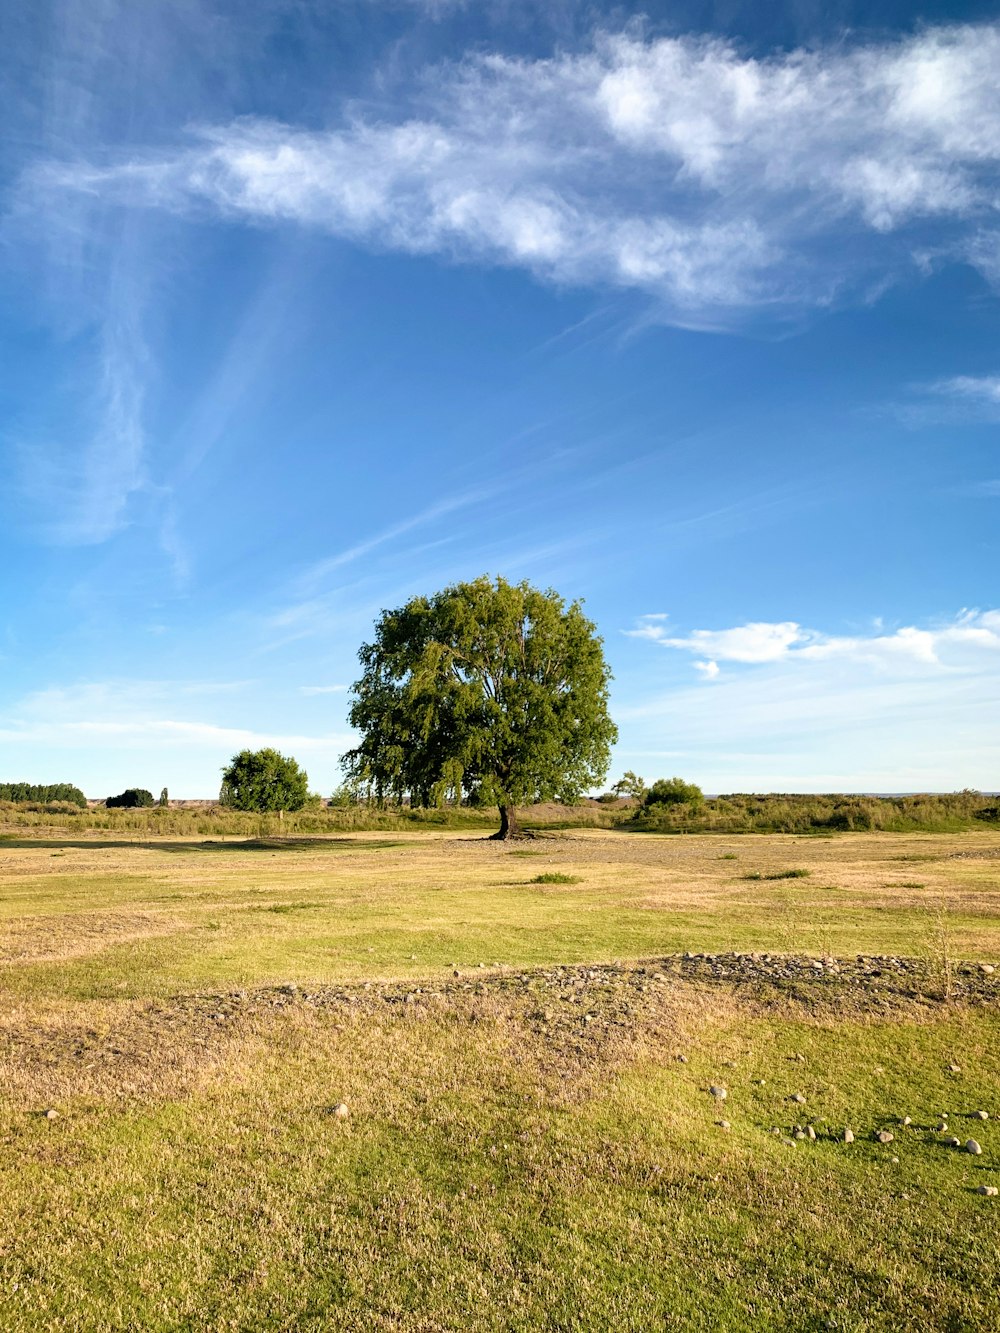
(509,827)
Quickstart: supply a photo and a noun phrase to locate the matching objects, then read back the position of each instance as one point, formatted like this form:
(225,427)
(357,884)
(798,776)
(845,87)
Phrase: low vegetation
(379,1082)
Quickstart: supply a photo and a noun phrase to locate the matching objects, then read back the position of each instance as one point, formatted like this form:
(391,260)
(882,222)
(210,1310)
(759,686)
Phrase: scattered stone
(980,1115)
(848,1135)
(906,1120)
(723,1124)
(801,1134)
(290,989)
(895,1162)
(810,1133)
(990,1191)
(952,1142)
(941,1127)
(987,968)
(681,1059)
(954,1069)
(885,1136)
(341,1111)
(797,1098)
(761,1082)
(973,1147)
(720,1094)
(51,1114)
(789,1143)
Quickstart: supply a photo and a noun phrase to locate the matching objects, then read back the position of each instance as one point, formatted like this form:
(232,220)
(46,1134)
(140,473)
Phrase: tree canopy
(490,688)
(132,798)
(673,791)
(43,792)
(263,780)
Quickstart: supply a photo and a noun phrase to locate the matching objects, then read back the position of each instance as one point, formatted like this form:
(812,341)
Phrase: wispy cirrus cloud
(977,388)
(711,180)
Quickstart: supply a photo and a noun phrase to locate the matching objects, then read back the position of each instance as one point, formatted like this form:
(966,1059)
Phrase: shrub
(132,798)
(673,791)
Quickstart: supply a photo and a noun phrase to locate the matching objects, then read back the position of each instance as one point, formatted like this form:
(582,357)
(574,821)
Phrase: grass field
(525,1147)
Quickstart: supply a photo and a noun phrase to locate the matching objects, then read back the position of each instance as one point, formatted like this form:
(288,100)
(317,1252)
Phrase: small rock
(51,1114)
(761,1082)
(980,1115)
(848,1135)
(341,1111)
(290,989)
(973,1147)
(798,1098)
(723,1124)
(720,1094)
(885,1136)
(682,1059)
(952,1142)
(789,1143)
(954,1069)
(810,1133)
(988,968)
(906,1120)
(801,1134)
(990,1191)
(895,1161)
(941,1127)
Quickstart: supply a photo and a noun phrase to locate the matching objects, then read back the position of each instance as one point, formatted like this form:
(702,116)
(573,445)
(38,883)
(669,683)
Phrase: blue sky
(690,311)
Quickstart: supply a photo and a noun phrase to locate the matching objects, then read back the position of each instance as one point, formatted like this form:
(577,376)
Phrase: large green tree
(263,780)
(491,688)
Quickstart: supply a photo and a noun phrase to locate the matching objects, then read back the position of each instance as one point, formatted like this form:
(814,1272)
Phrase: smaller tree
(164,800)
(673,791)
(263,780)
(630,787)
(132,798)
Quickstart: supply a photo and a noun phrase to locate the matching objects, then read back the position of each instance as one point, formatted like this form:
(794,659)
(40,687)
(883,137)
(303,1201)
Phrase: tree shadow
(207,846)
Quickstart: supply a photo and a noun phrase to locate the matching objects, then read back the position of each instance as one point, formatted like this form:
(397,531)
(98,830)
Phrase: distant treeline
(790,813)
(21,792)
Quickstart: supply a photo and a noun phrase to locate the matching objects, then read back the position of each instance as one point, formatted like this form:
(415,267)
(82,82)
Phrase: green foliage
(22,792)
(629,787)
(164,800)
(132,798)
(818,814)
(556,877)
(673,791)
(494,689)
(263,780)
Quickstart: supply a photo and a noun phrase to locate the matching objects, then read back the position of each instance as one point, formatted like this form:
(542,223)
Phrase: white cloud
(131,715)
(903,710)
(712,180)
(984,388)
(968,641)
(311,690)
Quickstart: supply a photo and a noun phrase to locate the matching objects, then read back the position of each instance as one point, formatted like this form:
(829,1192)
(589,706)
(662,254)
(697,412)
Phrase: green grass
(520,1155)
